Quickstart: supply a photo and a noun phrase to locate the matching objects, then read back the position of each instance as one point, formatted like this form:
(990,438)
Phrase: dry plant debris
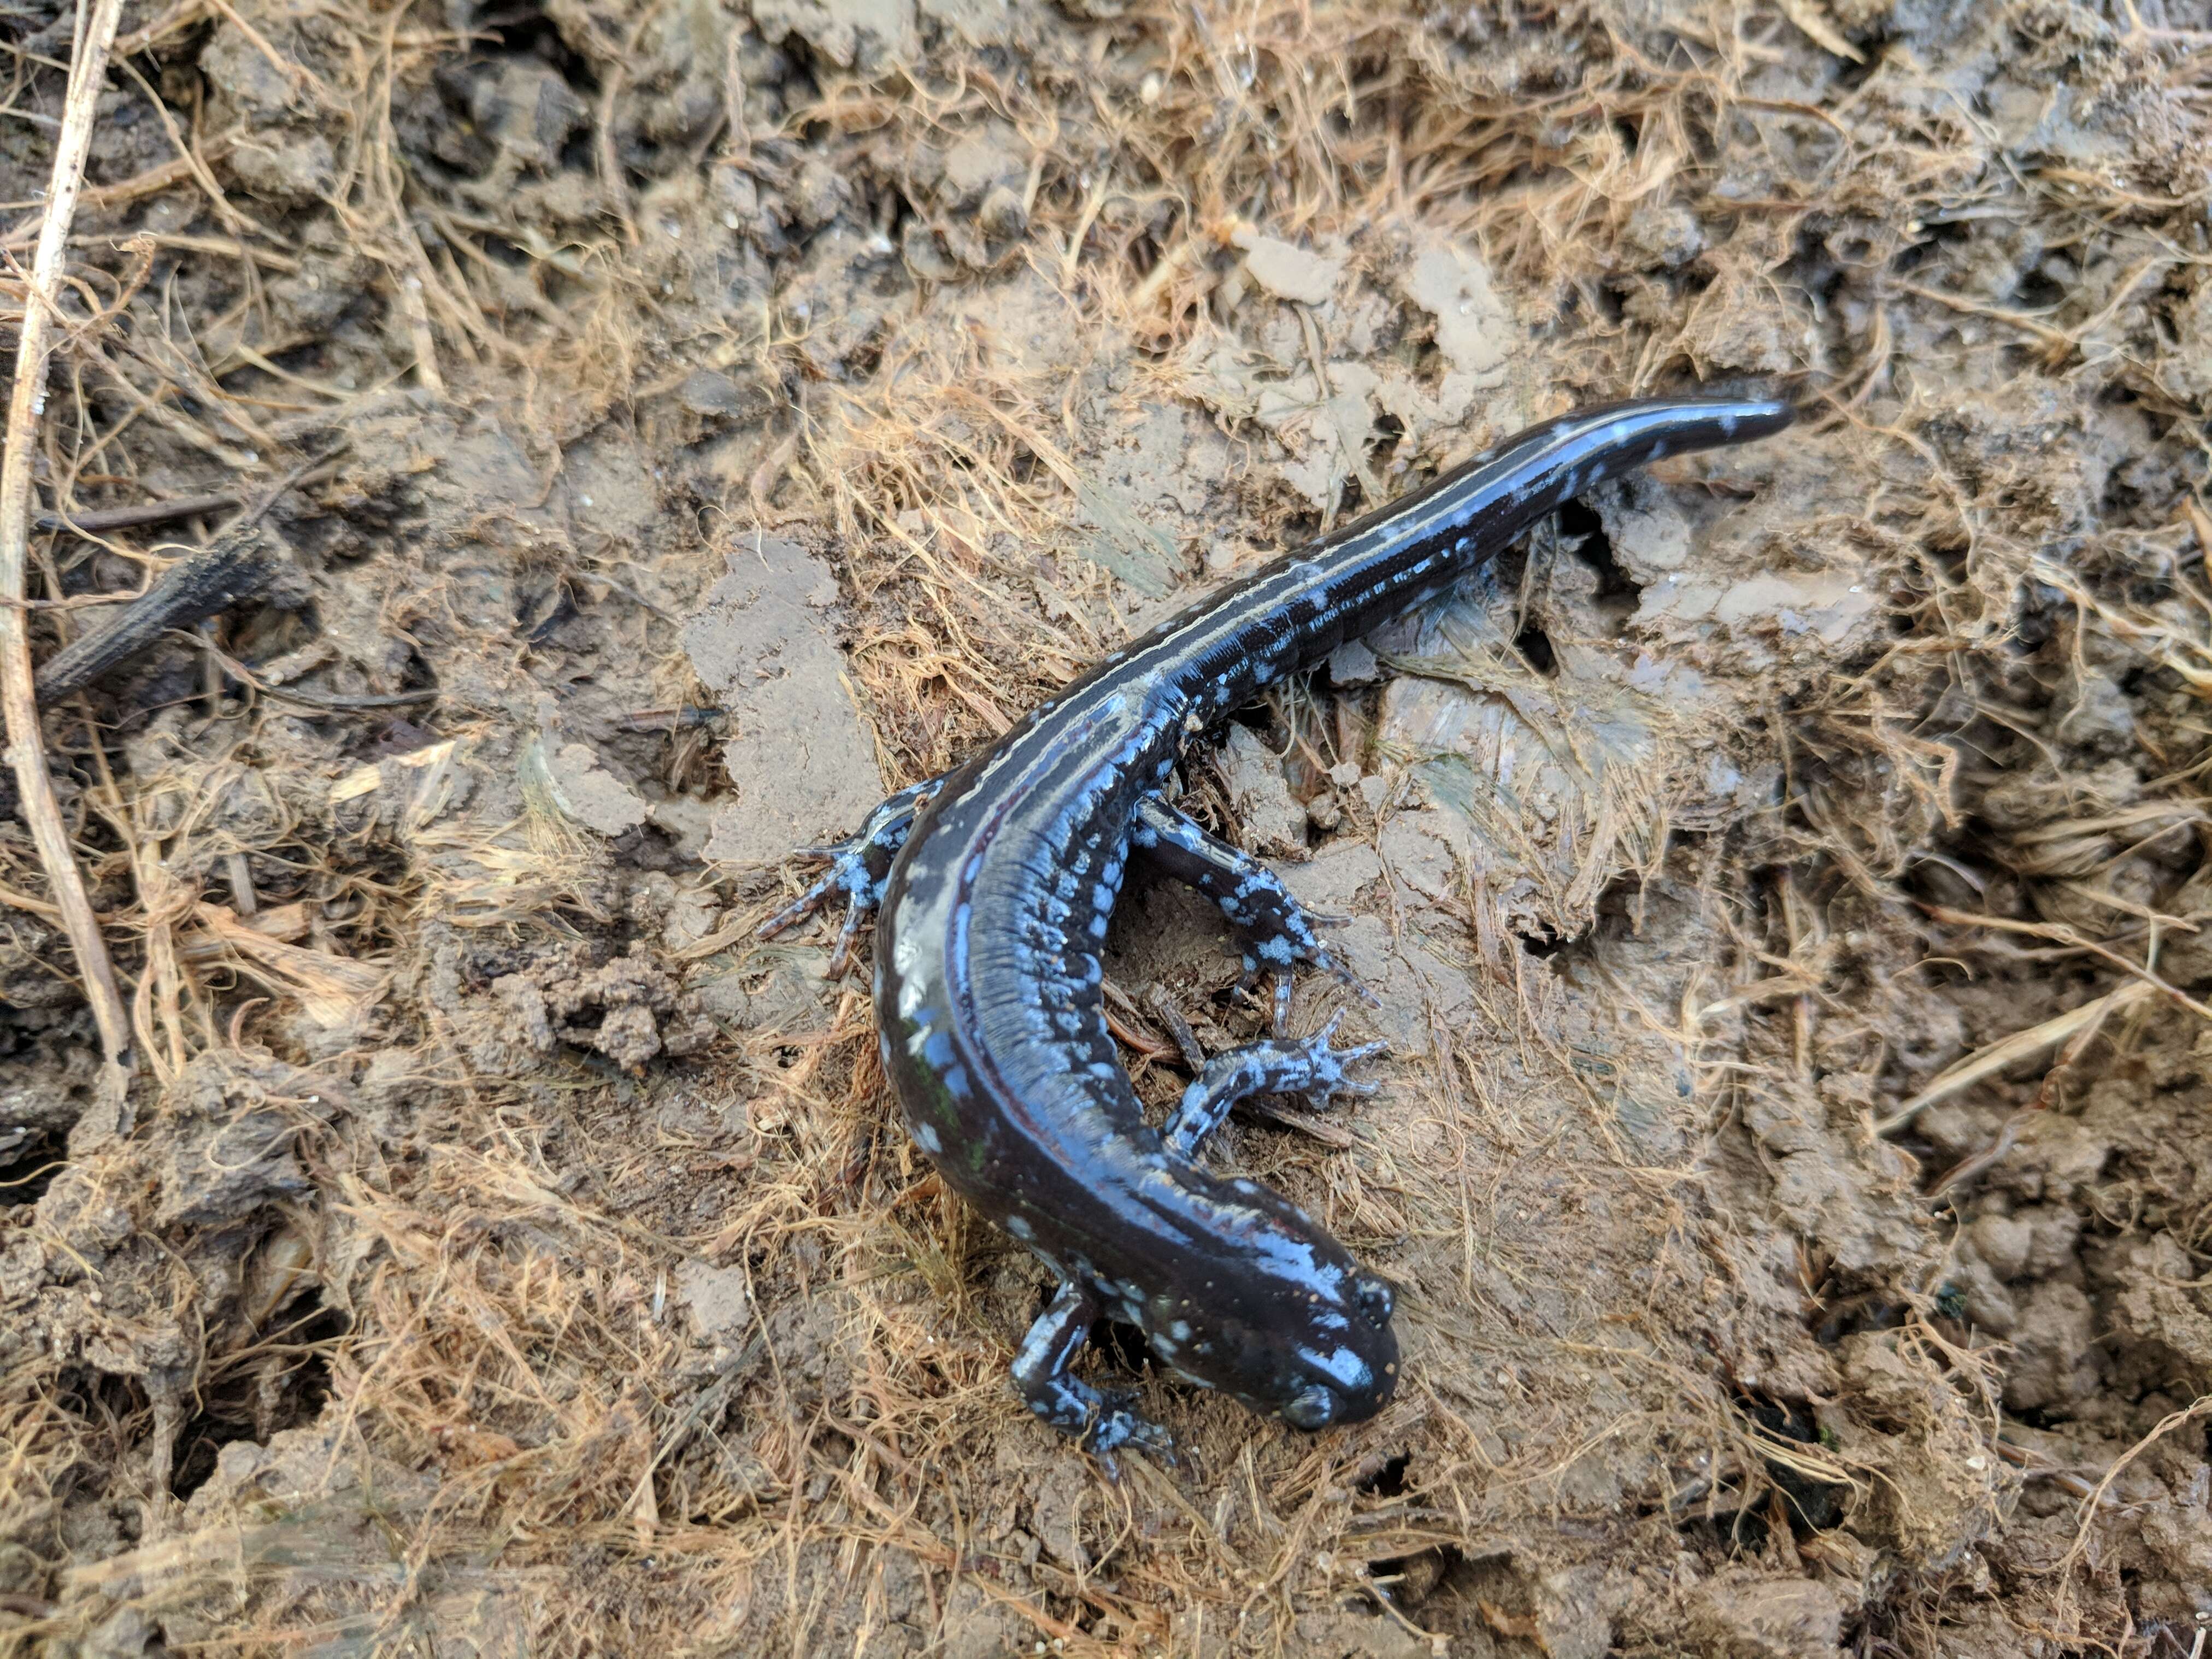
(1785,879)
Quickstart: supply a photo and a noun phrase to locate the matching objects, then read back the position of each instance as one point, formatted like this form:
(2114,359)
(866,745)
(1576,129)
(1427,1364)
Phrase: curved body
(988,978)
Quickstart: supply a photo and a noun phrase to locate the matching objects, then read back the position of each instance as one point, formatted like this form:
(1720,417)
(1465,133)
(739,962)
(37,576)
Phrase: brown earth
(1784,878)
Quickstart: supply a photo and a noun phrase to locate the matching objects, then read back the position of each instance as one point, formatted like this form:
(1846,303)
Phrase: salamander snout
(1344,1368)
(1358,1388)
(1282,1319)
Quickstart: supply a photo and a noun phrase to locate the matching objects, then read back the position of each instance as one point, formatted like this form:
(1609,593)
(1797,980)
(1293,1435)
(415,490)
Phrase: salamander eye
(1310,1408)
(1374,1298)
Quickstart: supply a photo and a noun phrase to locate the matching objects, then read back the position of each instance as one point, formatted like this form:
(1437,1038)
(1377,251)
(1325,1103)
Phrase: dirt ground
(1785,879)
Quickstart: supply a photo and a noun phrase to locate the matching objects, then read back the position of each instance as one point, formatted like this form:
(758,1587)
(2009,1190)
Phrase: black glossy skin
(987,974)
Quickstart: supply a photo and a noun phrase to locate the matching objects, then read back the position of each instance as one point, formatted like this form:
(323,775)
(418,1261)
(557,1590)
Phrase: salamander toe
(1117,1424)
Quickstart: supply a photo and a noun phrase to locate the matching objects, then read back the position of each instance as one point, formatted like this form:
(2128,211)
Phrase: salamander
(994,885)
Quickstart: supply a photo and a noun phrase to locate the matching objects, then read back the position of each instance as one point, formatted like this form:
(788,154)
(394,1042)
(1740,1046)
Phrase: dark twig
(101,520)
(194,588)
(1163,1008)
(238,564)
(682,719)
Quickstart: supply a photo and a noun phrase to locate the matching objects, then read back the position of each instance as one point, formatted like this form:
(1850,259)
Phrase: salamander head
(1283,1320)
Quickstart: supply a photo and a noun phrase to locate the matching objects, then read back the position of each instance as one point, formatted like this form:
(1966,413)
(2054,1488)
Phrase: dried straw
(27,747)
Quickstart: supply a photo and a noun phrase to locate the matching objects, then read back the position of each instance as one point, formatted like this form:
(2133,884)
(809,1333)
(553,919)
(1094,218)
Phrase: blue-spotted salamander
(994,884)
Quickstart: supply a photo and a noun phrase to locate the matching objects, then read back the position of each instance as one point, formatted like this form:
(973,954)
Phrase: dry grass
(515,1434)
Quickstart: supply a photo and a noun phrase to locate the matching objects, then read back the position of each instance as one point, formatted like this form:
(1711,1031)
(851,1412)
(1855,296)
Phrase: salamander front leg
(1277,930)
(858,869)
(1099,1421)
(1276,1066)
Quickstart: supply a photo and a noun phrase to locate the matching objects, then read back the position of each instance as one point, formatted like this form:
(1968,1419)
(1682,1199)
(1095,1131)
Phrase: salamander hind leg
(1277,1067)
(1278,931)
(858,869)
(1098,1420)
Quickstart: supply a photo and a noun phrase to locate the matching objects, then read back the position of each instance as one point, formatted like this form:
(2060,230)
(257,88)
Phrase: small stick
(1127,1023)
(1164,1010)
(25,401)
(188,592)
(179,16)
(238,562)
(682,719)
(334,702)
(101,520)
(152,182)
(2010,1051)
(2009,1132)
